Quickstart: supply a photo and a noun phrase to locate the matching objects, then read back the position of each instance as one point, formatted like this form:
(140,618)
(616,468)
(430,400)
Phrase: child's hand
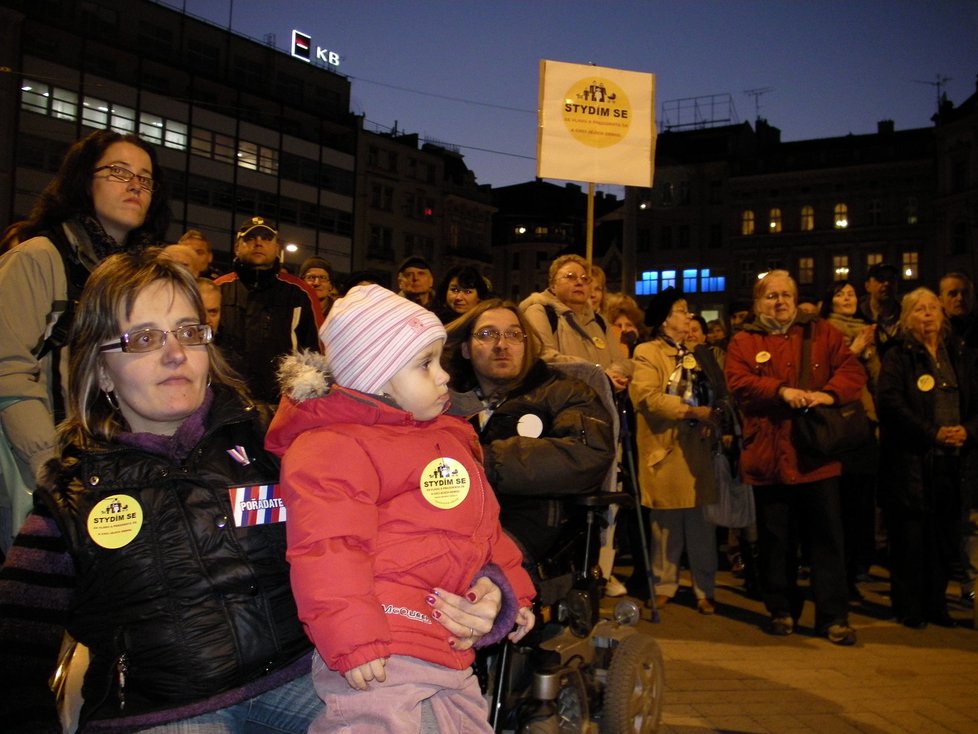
(359,676)
(524,623)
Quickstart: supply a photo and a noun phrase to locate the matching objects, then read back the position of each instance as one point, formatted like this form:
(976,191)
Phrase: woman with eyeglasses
(545,435)
(157,540)
(796,493)
(107,196)
(569,328)
(462,288)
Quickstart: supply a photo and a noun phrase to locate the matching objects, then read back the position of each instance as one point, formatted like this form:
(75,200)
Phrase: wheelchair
(576,673)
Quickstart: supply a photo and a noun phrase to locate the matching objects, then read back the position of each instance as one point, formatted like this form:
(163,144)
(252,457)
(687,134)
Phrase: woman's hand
(360,676)
(863,339)
(524,623)
(805,398)
(952,436)
(470,617)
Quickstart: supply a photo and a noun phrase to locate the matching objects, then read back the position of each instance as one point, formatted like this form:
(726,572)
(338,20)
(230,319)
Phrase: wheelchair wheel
(634,688)
(566,714)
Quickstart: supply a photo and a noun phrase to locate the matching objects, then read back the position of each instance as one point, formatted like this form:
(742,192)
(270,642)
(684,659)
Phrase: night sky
(466,73)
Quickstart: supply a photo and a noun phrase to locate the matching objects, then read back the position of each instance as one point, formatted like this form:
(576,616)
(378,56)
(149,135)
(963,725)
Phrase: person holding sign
(928,408)
(388,500)
(157,541)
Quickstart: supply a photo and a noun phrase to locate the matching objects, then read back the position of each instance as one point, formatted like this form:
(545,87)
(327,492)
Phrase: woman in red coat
(796,495)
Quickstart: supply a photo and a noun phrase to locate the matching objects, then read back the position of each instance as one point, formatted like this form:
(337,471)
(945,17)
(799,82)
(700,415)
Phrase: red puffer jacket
(758,364)
(381,509)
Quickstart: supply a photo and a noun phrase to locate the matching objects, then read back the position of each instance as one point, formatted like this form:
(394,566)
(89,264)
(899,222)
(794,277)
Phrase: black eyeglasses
(118,173)
(149,340)
(491,336)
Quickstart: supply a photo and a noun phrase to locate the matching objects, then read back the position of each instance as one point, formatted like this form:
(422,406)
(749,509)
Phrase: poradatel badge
(762,357)
(925,383)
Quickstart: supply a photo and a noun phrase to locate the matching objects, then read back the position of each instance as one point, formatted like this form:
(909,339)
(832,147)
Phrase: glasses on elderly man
(118,173)
(149,340)
(491,336)
(575,278)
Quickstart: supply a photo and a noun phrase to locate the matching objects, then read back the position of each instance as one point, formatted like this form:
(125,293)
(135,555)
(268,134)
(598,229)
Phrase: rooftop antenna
(756,94)
(940,86)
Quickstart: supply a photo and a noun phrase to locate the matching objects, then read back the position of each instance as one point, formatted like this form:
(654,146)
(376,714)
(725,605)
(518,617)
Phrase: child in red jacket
(387,500)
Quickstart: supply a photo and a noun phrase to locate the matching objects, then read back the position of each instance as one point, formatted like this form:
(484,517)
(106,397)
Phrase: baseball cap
(253,223)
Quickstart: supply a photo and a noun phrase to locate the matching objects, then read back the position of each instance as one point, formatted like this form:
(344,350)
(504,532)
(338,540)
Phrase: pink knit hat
(371,333)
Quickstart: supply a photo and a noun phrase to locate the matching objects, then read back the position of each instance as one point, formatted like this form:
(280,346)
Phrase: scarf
(178,446)
(850,326)
(687,379)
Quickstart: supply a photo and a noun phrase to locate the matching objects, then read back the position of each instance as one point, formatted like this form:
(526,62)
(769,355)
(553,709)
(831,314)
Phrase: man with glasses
(318,273)
(265,312)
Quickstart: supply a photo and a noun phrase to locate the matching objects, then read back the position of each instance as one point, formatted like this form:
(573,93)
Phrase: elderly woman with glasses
(545,435)
(107,196)
(569,328)
(157,541)
(796,494)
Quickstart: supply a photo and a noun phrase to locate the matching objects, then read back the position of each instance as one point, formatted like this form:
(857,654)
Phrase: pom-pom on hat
(371,333)
(659,307)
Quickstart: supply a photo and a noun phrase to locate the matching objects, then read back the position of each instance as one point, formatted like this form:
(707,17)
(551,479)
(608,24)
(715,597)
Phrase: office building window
(747,222)
(841,216)
(151,128)
(95,113)
(910,266)
(911,209)
(840,267)
(748,273)
(873,258)
(649,284)
(712,283)
(806,270)
(876,212)
(807,218)
(123,119)
(774,220)
(690,278)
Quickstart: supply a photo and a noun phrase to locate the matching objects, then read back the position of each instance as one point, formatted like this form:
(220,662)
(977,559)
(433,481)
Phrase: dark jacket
(571,455)
(758,365)
(192,605)
(265,314)
(908,433)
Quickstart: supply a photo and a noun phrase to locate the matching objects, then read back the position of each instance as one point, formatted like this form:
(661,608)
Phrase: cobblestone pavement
(724,674)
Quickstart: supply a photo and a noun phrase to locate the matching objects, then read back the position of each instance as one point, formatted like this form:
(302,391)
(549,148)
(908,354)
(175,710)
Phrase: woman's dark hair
(701,321)
(468,277)
(112,290)
(69,193)
(460,330)
(826,310)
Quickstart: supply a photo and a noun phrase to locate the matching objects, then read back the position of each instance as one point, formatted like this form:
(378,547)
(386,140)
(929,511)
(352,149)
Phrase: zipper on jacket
(121,668)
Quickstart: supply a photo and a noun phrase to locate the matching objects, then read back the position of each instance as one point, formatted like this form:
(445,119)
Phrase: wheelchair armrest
(603,499)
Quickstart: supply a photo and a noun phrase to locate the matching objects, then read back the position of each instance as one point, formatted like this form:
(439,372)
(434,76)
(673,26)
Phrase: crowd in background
(688,389)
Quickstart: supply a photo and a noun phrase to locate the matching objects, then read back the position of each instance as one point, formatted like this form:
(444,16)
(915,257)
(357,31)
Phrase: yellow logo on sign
(597,112)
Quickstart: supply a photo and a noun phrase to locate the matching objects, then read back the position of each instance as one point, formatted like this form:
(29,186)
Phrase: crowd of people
(272,502)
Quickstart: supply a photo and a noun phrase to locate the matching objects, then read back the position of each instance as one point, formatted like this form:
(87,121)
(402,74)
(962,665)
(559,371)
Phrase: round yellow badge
(762,357)
(925,383)
(599,342)
(115,521)
(689,361)
(445,483)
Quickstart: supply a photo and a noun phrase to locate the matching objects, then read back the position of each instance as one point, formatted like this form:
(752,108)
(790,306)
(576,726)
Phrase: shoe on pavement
(781,626)
(614,587)
(840,634)
(706,606)
(661,600)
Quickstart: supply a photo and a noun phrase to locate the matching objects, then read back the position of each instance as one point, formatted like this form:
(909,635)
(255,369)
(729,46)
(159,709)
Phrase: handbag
(829,431)
(735,500)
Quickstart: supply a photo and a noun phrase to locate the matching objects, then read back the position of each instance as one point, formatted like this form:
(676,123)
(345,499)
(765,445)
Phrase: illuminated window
(807,218)
(873,258)
(909,261)
(747,222)
(806,270)
(649,284)
(151,128)
(123,119)
(774,221)
(34,96)
(668,279)
(64,104)
(911,208)
(712,283)
(690,278)
(95,113)
(840,267)
(841,216)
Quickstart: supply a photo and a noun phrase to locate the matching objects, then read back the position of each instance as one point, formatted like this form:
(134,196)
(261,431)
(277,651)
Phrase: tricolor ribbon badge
(240,455)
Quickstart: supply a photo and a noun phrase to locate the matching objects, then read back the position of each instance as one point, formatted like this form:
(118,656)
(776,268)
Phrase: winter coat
(758,365)
(191,605)
(533,465)
(265,314)
(575,338)
(675,462)
(382,509)
(908,432)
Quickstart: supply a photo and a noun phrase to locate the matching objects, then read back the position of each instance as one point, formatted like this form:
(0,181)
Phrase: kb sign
(302,49)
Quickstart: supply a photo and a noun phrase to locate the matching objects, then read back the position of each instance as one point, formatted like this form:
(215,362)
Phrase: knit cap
(371,333)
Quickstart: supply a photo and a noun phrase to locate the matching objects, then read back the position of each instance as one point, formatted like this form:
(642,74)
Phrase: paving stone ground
(724,674)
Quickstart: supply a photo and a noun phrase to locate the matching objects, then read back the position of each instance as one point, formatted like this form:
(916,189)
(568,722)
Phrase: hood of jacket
(311,399)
